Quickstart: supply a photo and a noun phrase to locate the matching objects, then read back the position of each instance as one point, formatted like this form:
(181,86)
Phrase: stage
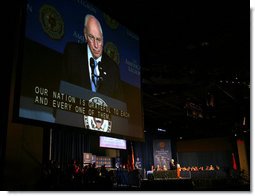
(171,184)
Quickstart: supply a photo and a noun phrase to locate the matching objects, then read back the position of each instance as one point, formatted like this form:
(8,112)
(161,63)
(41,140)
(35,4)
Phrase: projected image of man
(94,37)
(88,66)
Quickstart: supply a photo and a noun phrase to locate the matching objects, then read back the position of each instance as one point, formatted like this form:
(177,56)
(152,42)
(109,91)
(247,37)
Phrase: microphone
(100,78)
(92,64)
(100,68)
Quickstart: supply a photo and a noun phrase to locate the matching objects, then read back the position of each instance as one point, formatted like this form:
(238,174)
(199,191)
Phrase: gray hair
(87,17)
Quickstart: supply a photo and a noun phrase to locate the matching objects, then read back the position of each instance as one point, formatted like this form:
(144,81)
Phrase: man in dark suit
(87,65)
(172,165)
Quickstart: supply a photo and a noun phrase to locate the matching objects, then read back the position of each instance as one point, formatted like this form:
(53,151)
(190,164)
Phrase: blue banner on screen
(162,153)
(68,18)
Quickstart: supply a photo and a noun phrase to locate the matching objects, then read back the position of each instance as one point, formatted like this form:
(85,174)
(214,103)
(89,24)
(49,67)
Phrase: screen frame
(18,66)
(112,147)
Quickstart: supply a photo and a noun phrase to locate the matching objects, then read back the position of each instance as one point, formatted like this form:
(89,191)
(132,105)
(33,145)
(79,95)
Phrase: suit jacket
(172,166)
(75,71)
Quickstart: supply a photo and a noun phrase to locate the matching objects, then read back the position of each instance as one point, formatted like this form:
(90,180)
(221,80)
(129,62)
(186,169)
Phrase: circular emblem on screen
(113,24)
(112,51)
(97,123)
(162,144)
(52,22)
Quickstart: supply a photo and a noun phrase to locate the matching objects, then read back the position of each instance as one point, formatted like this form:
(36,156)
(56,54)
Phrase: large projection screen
(64,79)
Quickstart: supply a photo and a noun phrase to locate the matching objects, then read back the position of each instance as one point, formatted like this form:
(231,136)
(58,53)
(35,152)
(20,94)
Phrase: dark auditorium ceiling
(195,65)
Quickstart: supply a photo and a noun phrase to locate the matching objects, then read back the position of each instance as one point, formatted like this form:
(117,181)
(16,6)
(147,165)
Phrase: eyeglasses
(91,38)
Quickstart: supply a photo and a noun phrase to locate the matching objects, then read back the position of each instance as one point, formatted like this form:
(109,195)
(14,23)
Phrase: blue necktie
(95,74)
(94,77)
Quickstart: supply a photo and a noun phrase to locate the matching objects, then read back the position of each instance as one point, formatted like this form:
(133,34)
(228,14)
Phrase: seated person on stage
(217,167)
(211,168)
(152,168)
(158,168)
